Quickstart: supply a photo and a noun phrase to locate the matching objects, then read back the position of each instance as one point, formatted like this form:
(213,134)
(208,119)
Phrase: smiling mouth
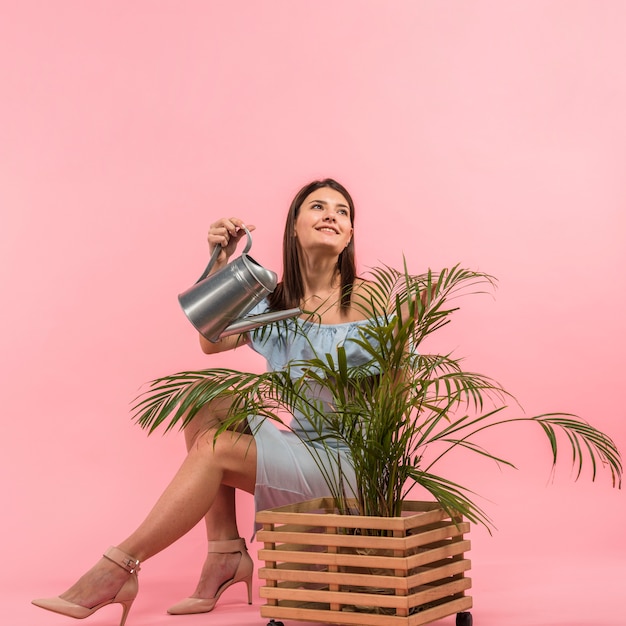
(327,229)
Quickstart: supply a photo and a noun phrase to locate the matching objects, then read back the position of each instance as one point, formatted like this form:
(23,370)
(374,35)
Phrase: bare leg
(220,521)
(221,525)
(221,518)
(195,488)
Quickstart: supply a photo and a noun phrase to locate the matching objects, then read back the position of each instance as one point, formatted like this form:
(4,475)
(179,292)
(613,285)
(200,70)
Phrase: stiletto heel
(243,573)
(125,610)
(125,596)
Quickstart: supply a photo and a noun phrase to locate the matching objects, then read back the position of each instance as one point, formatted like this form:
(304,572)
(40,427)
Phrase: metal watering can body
(216,305)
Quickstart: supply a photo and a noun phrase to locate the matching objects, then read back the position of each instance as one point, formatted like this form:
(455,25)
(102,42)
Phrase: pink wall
(487,133)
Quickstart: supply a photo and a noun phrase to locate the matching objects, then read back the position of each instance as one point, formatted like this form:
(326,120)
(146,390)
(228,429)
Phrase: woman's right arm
(225,232)
(221,345)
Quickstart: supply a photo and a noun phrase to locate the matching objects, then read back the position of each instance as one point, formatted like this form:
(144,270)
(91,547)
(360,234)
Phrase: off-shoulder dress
(287,472)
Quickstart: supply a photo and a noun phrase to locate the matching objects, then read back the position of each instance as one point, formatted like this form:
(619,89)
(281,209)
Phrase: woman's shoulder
(362,305)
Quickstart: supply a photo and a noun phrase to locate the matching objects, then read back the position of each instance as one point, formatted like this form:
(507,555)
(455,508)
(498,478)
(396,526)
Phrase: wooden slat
(351,580)
(344,579)
(343,598)
(431,574)
(311,511)
(367,619)
(304,539)
(449,549)
(302,558)
(440,592)
(429,615)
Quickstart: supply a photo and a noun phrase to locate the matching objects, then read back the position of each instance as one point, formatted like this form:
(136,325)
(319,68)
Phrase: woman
(318,274)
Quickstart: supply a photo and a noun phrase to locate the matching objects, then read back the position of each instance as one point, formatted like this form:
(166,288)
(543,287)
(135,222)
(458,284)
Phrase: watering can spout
(217,305)
(256,321)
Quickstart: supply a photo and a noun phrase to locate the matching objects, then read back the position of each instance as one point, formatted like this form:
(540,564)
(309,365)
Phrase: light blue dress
(287,472)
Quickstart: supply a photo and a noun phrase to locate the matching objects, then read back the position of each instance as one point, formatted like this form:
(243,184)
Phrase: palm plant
(399,414)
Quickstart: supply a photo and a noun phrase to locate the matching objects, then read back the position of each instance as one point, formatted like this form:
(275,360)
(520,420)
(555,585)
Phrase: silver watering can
(216,305)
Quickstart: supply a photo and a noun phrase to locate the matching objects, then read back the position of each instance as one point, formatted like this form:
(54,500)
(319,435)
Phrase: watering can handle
(216,253)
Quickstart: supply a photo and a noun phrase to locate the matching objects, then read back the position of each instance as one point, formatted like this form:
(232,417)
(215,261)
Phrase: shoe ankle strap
(228,545)
(125,561)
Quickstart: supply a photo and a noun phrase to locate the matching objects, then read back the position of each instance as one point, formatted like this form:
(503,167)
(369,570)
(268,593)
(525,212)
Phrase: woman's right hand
(226,232)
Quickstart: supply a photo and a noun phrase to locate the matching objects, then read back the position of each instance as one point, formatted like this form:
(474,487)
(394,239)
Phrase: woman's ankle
(99,584)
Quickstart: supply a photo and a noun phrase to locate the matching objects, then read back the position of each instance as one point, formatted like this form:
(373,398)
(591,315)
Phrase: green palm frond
(392,412)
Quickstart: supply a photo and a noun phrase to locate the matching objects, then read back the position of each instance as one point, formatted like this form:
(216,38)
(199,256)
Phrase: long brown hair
(290,291)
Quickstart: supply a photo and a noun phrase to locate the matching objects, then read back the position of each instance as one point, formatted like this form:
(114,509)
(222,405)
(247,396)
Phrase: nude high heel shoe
(125,596)
(243,573)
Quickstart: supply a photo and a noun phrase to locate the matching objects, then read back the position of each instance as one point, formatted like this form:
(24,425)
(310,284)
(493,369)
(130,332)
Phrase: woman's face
(324,221)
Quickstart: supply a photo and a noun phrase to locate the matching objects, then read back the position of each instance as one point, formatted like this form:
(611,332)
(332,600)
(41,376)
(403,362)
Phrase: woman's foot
(112,580)
(100,583)
(227,563)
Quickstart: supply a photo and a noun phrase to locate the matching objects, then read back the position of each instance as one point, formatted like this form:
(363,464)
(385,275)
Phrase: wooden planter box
(323,567)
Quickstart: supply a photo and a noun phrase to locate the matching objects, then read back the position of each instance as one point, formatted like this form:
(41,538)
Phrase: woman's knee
(232,454)
(208,418)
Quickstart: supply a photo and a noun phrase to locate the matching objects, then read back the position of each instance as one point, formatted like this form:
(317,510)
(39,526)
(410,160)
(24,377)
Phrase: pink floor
(531,594)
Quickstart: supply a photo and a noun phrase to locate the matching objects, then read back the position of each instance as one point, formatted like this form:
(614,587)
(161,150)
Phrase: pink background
(486,133)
